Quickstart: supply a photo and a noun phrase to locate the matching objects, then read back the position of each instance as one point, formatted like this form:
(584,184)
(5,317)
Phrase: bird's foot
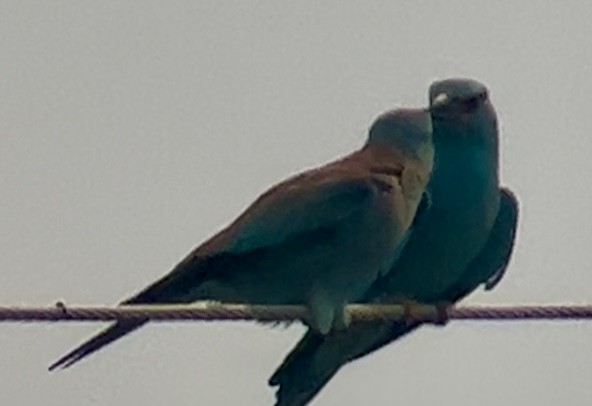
(441,318)
(414,312)
(410,314)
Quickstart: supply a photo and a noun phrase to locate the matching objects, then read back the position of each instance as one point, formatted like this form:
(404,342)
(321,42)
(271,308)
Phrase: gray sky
(132,131)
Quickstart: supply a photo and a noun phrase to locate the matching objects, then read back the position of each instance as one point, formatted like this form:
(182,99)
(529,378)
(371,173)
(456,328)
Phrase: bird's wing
(490,265)
(309,201)
(508,224)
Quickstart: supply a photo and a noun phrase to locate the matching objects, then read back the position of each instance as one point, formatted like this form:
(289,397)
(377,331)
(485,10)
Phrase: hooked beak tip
(439,100)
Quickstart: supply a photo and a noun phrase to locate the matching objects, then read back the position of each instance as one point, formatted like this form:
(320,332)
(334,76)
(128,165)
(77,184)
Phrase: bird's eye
(472,103)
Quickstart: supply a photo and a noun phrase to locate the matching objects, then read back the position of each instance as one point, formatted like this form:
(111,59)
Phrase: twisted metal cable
(210,311)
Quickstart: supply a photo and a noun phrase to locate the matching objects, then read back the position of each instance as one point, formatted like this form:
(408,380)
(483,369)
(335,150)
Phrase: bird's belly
(438,253)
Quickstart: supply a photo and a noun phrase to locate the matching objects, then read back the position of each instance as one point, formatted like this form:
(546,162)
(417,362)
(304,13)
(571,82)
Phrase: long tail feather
(105,337)
(179,286)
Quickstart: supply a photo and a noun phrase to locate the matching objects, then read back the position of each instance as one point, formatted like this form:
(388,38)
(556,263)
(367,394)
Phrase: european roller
(320,238)
(465,239)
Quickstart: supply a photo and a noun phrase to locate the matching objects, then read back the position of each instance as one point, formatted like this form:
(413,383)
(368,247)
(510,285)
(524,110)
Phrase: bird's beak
(439,101)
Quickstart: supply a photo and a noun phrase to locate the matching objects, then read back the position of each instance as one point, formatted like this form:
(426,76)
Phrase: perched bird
(465,239)
(319,238)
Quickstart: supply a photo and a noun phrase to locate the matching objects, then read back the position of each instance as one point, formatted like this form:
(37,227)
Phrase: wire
(212,311)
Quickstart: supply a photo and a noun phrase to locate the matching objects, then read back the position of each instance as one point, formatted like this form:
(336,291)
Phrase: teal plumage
(465,239)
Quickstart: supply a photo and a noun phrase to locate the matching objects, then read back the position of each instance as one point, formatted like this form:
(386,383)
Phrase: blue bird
(464,239)
(320,238)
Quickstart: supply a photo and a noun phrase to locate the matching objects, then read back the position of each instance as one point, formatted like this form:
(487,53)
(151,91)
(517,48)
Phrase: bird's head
(457,98)
(463,105)
(409,130)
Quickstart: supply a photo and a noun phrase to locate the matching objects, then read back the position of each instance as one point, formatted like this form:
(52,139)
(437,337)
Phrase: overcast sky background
(132,131)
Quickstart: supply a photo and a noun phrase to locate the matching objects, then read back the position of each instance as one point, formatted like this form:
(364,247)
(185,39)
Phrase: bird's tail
(316,359)
(179,286)
(153,294)
(105,337)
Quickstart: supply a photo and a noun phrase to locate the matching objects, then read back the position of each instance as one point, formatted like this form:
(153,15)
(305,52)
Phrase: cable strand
(211,311)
